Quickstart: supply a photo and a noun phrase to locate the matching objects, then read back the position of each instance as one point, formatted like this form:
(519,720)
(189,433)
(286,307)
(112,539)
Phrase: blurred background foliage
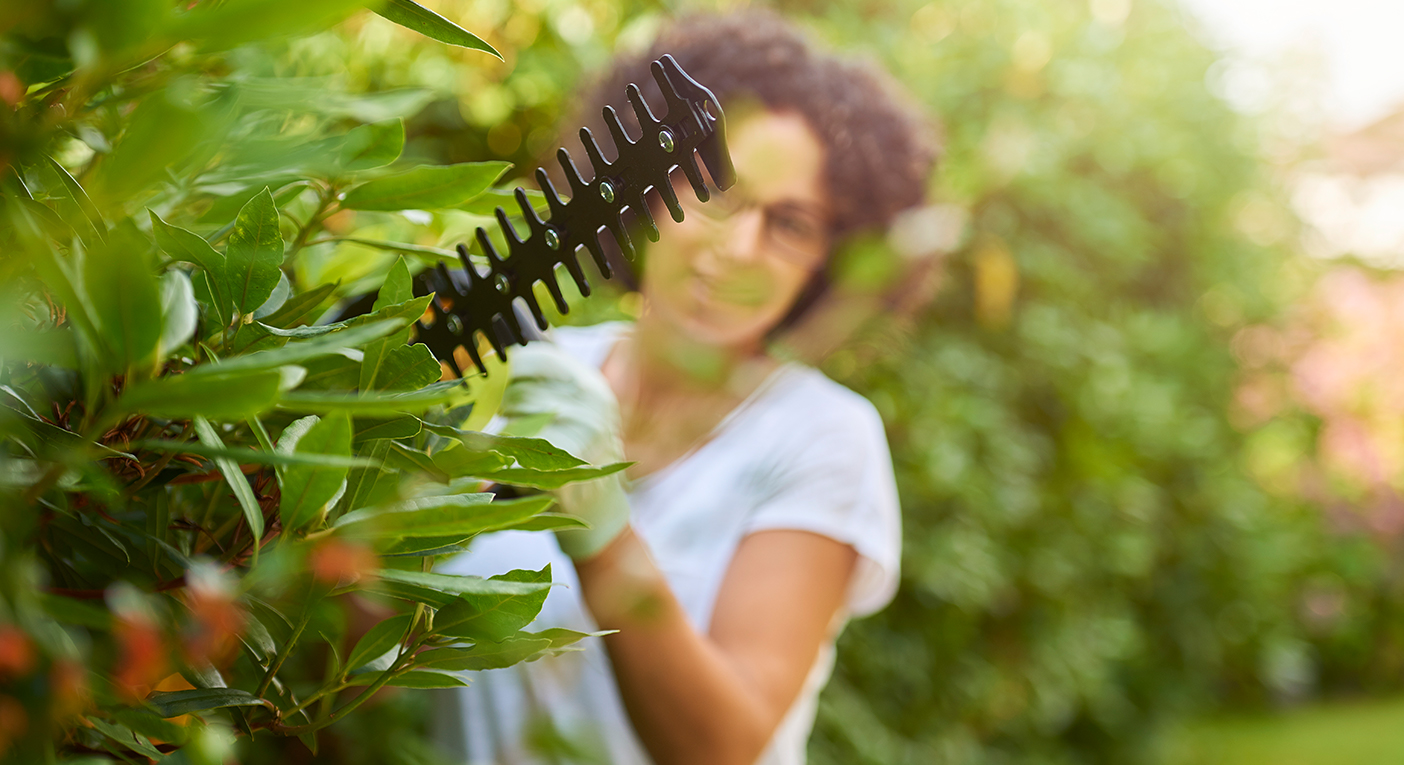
(1123,510)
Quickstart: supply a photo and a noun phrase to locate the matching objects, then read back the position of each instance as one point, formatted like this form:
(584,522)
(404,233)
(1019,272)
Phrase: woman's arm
(716,698)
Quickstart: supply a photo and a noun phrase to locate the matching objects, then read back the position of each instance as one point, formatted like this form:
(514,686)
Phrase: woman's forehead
(778,157)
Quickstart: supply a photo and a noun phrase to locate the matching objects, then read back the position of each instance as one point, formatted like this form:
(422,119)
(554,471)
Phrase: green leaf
(488,201)
(369,428)
(514,650)
(430,255)
(73,611)
(410,14)
(299,306)
(403,367)
(551,479)
(307,489)
(458,461)
(493,616)
(54,347)
(410,460)
(293,353)
(369,146)
(535,453)
(179,313)
(125,299)
(176,703)
(255,456)
(187,246)
(427,187)
(152,725)
(80,196)
(564,638)
(254,256)
(551,522)
(160,134)
(223,397)
(378,640)
(397,288)
(366,486)
(230,469)
(459,515)
(126,737)
(450,392)
(221,26)
(438,590)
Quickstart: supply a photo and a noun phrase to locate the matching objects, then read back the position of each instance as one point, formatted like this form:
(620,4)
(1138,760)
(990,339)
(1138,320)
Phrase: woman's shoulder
(816,404)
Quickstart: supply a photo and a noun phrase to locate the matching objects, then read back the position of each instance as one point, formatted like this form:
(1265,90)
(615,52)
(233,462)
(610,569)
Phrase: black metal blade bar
(472,303)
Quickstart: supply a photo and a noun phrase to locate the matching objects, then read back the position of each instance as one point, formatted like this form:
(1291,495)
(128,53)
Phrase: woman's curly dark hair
(878,149)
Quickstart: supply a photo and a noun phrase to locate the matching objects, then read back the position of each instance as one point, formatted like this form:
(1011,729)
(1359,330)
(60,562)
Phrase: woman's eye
(793,225)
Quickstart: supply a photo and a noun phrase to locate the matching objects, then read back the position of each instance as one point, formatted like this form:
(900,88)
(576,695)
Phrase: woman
(760,512)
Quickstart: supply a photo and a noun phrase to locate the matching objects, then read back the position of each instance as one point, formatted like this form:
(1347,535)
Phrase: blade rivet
(454,324)
(665,139)
(500,280)
(553,240)
(607,191)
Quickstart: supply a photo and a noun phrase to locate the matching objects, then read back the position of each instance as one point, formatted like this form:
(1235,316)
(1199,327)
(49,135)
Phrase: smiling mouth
(733,292)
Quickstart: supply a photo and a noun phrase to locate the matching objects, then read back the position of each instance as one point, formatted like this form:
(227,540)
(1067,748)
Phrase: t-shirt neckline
(766,385)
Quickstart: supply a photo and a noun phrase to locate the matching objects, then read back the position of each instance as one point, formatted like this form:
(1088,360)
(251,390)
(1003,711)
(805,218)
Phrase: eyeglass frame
(725,206)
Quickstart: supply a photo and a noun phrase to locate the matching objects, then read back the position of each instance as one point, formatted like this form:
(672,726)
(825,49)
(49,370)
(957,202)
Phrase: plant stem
(284,652)
(347,708)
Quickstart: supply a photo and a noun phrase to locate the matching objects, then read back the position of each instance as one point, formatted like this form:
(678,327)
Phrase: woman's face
(731,270)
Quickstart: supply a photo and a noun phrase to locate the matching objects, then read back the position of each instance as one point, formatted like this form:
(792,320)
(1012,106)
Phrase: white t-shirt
(802,452)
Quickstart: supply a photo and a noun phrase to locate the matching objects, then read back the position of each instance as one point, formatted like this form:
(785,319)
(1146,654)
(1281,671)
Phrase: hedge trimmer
(468,301)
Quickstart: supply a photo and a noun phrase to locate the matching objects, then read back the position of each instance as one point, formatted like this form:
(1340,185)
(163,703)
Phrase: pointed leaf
(176,703)
(379,639)
(408,13)
(253,515)
(223,397)
(254,257)
(460,515)
(427,187)
(307,489)
(493,616)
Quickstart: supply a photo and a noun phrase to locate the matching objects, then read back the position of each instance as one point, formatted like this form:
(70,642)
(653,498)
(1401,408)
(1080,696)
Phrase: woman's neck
(662,358)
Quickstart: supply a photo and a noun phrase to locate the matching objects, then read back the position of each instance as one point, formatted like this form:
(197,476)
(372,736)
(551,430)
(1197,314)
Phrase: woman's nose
(745,238)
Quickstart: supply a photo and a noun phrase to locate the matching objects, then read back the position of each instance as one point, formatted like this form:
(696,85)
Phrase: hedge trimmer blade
(468,302)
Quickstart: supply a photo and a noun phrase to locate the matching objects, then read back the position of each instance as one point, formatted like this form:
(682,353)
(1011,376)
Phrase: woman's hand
(584,420)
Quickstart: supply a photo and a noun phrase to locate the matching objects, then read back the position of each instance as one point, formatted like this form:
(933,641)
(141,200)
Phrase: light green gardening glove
(584,420)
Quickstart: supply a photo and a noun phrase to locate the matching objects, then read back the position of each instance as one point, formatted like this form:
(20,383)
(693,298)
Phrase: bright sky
(1360,44)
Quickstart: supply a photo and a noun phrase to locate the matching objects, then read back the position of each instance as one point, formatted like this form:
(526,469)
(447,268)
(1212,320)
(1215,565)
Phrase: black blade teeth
(641,110)
(596,248)
(572,264)
(616,129)
(548,189)
(640,205)
(670,198)
(513,241)
(528,212)
(472,347)
(478,302)
(555,290)
(572,173)
(592,151)
(530,299)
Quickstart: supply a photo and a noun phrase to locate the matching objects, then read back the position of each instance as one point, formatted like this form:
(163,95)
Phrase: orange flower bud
(17,654)
(337,562)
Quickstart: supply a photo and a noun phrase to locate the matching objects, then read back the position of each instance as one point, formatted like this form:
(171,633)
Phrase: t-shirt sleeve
(837,481)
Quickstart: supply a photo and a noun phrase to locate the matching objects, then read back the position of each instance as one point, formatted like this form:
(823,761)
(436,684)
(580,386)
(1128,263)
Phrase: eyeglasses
(794,233)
